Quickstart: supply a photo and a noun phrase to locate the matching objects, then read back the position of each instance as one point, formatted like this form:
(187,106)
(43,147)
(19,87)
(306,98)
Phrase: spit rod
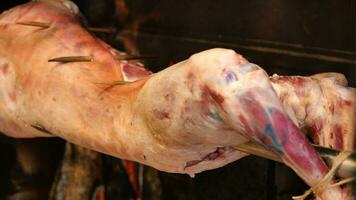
(346,170)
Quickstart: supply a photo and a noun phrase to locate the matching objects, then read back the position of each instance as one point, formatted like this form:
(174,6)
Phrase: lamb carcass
(185,119)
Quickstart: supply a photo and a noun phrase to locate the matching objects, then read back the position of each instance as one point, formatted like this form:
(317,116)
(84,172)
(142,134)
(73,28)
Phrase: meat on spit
(185,119)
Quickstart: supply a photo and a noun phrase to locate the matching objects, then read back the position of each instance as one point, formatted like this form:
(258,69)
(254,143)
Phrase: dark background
(287,37)
(284,37)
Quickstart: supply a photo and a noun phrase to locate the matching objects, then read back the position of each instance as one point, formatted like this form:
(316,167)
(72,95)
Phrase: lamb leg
(322,105)
(215,96)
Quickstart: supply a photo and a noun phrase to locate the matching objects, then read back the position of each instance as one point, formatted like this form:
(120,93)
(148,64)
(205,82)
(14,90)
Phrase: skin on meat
(185,119)
(328,110)
(322,105)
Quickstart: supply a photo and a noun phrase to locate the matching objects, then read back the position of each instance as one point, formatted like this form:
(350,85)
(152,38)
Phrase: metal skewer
(101,30)
(47,25)
(346,170)
(38,24)
(72,59)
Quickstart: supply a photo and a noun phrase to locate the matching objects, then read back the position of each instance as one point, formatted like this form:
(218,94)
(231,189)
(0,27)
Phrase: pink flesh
(133,71)
(278,132)
(286,138)
(211,156)
(337,132)
(323,104)
(296,139)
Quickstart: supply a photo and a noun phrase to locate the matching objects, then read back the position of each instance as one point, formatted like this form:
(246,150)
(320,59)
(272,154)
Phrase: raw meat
(185,119)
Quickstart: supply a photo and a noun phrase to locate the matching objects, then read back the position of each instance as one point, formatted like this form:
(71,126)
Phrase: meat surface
(323,105)
(185,119)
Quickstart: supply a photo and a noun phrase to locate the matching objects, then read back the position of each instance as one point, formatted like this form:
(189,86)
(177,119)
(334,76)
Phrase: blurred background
(285,37)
